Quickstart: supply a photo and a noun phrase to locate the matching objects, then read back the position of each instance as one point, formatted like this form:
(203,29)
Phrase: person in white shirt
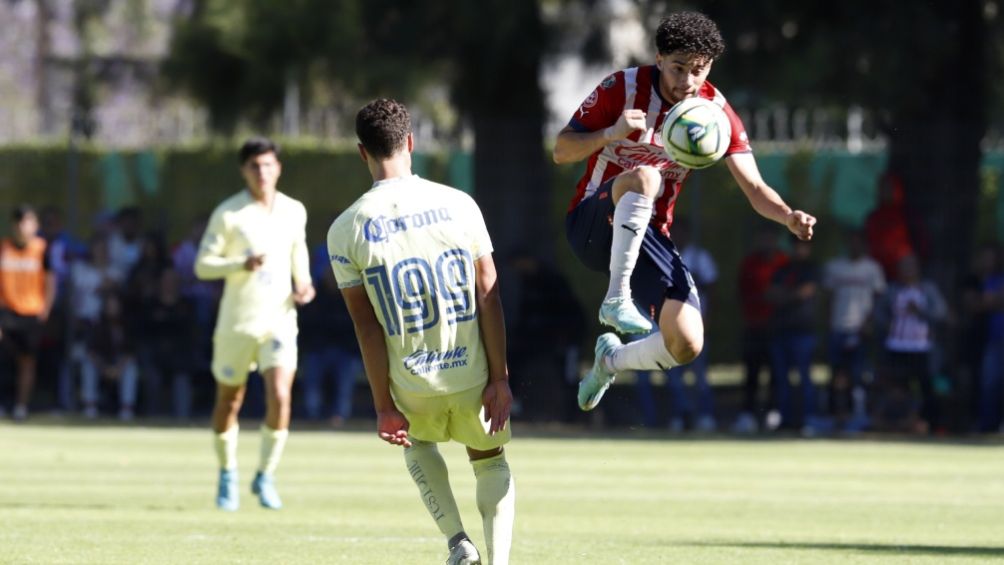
(256,242)
(853,282)
(414,262)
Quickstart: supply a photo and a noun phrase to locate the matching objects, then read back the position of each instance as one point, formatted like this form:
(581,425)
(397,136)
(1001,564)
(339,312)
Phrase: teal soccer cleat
(622,315)
(264,486)
(227,496)
(598,379)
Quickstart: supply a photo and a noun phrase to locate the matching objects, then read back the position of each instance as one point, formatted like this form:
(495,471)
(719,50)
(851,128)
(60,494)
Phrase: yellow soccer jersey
(413,243)
(255,303)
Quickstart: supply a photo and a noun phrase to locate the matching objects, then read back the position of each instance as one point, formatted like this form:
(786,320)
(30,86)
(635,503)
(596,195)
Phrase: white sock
(646,354)
(496,496)
(631,216)
(272,444)
(428,470)
(225,445)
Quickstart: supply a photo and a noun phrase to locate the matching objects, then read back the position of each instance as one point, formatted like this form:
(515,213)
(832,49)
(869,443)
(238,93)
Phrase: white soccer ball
(696,133)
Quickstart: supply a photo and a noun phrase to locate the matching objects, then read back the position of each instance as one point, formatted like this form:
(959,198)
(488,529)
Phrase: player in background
(414,261)
(27,293)
(256,242)
(620,217)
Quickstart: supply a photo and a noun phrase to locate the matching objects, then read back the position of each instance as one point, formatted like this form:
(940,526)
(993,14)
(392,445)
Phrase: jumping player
(620,217)
(256,242)
(414,262)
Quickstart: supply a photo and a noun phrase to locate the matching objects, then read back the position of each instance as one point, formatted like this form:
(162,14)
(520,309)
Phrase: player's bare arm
(573,146)
(764,199)
(303,293)
(392,426)
(497,397)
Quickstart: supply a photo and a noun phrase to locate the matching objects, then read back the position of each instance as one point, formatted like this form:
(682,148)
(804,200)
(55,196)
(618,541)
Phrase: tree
(237,58)
(924,69)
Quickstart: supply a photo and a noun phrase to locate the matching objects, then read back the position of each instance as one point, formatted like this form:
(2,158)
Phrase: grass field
(145,495)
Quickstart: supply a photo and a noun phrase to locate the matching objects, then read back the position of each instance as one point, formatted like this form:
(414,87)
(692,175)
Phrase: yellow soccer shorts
(458,416)
(236,355)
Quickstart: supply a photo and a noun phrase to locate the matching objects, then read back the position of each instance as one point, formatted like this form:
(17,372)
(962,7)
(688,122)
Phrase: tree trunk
(499,91)
(936,151)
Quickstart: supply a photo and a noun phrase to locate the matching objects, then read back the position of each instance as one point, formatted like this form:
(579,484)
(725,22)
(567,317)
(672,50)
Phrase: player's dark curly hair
(383,126)
(689,32)
(256,146)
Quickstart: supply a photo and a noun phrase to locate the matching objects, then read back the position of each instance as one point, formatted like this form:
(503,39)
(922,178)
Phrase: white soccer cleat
(622,315)
(464,553)
(597,381)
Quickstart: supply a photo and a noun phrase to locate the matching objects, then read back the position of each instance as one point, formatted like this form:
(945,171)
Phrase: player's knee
(643,180)
(283,397)
(685,348)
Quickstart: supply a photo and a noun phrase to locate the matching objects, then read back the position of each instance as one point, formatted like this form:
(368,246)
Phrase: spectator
(27,293)
(92,277)
(907,314)
(886,227)
(991,390)
(111,355)
(794,294)
(143,283)
(329,349)
(974,324)
(167,346)
(755,274)
(853,282)
(62,248)
(125,244)
(699,410)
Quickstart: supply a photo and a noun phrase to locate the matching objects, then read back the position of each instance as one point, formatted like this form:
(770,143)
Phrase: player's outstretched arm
(573,146)
(392,426)
(497,397)
(764,199)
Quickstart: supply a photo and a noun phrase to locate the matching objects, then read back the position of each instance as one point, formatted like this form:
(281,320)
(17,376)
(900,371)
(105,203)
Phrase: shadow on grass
(881,548)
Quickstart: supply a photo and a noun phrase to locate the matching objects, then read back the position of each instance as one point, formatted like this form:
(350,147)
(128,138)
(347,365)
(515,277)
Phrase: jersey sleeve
(300,259)
(340,238)
(740,142)
(210,263)
(602,107)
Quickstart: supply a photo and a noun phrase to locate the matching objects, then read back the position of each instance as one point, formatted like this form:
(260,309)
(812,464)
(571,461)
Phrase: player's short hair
(21,211)
(383,126)
(256,146)
(689,32)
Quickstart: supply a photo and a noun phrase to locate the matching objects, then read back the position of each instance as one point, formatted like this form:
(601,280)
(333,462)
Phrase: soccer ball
(696,133)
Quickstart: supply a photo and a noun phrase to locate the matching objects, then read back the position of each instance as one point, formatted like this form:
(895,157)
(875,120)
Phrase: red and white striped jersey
(638,88)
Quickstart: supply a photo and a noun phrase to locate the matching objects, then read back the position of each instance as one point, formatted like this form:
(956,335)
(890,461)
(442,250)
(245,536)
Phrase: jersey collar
(392,181)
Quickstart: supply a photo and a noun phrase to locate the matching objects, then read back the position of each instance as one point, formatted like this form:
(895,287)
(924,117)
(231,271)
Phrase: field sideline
(103,495)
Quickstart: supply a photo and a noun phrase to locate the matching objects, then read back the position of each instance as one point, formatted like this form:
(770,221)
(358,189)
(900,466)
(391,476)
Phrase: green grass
(145,495)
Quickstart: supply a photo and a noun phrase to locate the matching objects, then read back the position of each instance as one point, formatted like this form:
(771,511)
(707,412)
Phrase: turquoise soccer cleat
(622,315)
(227,496)
(264,486)
(597,381)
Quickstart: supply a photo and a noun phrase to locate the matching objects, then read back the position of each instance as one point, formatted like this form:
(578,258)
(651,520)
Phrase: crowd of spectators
(129,333)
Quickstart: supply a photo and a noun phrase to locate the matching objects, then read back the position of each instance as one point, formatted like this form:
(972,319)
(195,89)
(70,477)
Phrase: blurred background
(120,122)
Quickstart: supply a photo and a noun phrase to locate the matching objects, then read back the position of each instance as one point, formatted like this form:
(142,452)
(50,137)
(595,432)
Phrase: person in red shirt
(755,274)
(620,217)
(886,227)
(27,292)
